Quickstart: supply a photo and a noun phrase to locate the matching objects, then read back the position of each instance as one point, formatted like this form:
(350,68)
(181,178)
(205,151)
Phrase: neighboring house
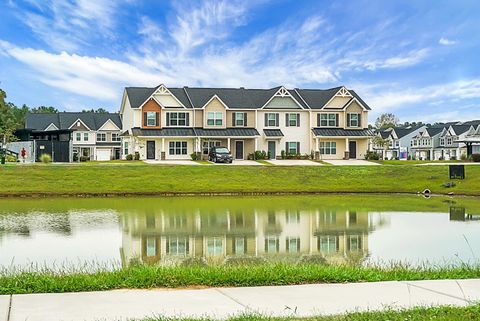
(173,123)
(424,144)
(400,141)
(95,136)
(472,138)
(451,141)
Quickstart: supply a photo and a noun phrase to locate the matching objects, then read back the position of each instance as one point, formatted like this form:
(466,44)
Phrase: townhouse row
(446,141)
(163,123)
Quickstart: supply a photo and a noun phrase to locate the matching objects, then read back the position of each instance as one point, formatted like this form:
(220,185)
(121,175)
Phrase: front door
(352,147)
(271,149)
(151,149)
(239,149)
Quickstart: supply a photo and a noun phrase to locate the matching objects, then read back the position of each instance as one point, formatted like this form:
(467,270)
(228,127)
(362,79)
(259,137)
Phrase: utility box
(457,171)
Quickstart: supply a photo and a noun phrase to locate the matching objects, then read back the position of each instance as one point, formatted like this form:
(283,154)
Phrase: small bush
(463,157)
(11,159)
(84,159)
(372,156)
(260,154)
(75,157)
(45,158)
(476,158)
(453,158)
(194,156)
(137,156)
(282,154)
(129,157)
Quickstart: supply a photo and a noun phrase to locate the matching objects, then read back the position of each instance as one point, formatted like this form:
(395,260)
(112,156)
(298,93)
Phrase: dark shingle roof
(240,98)
(166,132)
(342,132)
(460,129)
(65,120)
(472,122)
(232,132)
(402,131)
(432,131)
(273,132)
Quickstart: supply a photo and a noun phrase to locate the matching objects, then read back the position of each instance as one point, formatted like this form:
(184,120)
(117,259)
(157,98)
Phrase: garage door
(103,154)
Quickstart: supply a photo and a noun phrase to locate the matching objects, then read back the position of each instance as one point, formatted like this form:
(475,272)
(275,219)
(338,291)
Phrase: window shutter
(298,147)
(157,118)
(360,120)
(266,245)
(245,123)
(233,120)
(298,120)
(336,120)
(287,116)
(348,120)
(266,119)
(168,119)
(318,120)
(287,245)
(298,245)
(187,121)
(277,123)
(286,148)
(144,119)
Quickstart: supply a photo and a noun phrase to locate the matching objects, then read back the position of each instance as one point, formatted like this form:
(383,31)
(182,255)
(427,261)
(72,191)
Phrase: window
(214,118)
(151,118)
(293,244)
(214,246)
(292,120)
(177,148)
(239,245)
(208,145)
(449,141)
(151,246)
(272,119)
(354,243)
(353,120)
(177,119)
(328,120)
(78,137)
(328,148)
(101,137)
(292,148)
(272,244)
(293,217)
(85,137)
(328,244)
(125,148)
(239,119)
(442,141)
(177,246)
(115,137)
(397,143)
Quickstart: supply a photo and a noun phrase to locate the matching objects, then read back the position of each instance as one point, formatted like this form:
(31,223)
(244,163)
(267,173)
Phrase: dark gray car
(220,154)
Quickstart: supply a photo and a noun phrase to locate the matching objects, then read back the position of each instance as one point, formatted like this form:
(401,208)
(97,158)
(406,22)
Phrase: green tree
(7,119)
(45,110)
(386,120)
(98,111)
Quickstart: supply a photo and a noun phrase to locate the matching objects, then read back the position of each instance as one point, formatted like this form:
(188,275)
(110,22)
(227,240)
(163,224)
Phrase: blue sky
(417,59)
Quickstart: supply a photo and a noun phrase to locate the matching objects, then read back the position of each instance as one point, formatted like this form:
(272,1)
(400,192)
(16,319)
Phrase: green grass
(443,313)
(150,179)
(264,162)
(203,162)
(416,162)
(145,277)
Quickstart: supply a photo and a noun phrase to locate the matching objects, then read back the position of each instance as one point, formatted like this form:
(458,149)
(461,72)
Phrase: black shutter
(286,148)
(287,245)
(318,120)
(298,120)
(168,119)
(187,121)
(277,123)
(298,147)
(157,119)
(348,120)
(359,120)
(287,116)
(233,120)
(336,120)
(298,245)
(266,120)
(245,123)
(144,119)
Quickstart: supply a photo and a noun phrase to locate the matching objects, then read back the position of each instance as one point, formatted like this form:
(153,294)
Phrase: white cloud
(446,42)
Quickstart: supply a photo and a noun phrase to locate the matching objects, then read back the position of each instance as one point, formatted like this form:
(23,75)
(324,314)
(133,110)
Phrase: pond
(357,229)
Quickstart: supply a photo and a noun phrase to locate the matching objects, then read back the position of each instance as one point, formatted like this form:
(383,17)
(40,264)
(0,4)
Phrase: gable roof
(460,129)
(432,131)
(238,98)
(404,131)
(64,120)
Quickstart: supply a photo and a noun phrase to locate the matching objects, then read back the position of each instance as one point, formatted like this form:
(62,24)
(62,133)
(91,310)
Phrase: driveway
(350,162)
(172,162)
(293,162)
(238,162)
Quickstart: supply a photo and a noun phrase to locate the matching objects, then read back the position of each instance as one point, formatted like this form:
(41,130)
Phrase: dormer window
(214,118)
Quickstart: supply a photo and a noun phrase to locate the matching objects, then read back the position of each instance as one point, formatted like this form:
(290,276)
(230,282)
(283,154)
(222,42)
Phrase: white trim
(351,101)
(282,92)
(111,121)
(295,90)
(51,124)
(79,120)
(162,90)
(213,97)
(342,92)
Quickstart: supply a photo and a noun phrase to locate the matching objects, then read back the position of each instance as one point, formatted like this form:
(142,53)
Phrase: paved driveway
(241,163)
(294,162)
(353,162)
(172,162)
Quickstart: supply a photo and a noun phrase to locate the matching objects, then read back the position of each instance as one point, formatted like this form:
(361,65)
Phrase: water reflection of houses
(226,236)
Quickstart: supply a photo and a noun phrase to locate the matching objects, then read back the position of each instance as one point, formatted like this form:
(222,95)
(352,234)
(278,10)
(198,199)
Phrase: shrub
(251,156)
(453,158)
(372,156)
(10,159)
(260,154)
(194,156)
(282,154)
(476,158)
(75,157)
(84,159)
(129,157)
(463,157)
(137,156)
(45,158)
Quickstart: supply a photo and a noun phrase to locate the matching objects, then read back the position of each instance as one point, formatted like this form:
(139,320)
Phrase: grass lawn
(145,277)
(97,179)
(445,313)
(417,162)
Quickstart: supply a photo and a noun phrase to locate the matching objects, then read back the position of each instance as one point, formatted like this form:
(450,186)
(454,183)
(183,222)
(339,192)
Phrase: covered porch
(331,144)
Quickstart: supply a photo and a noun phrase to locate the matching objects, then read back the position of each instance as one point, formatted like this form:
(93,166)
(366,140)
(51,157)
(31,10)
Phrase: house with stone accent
(162,123)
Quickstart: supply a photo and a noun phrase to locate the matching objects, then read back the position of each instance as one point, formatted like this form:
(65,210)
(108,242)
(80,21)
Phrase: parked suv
(220,154)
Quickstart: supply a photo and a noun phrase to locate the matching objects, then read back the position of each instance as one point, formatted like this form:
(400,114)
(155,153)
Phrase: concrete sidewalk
(220,303)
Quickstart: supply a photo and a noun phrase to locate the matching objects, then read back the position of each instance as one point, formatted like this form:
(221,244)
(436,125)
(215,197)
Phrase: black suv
(220,154)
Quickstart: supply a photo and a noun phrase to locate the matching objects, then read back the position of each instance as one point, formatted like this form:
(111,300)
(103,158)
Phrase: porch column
(198,148)
(228,144)
(347,149)
(317,148)
(162,154)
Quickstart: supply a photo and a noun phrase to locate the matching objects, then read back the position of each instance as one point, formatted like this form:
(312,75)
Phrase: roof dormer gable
(282,99)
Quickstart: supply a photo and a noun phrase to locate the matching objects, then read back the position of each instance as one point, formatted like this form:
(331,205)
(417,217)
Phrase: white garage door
(103,154)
